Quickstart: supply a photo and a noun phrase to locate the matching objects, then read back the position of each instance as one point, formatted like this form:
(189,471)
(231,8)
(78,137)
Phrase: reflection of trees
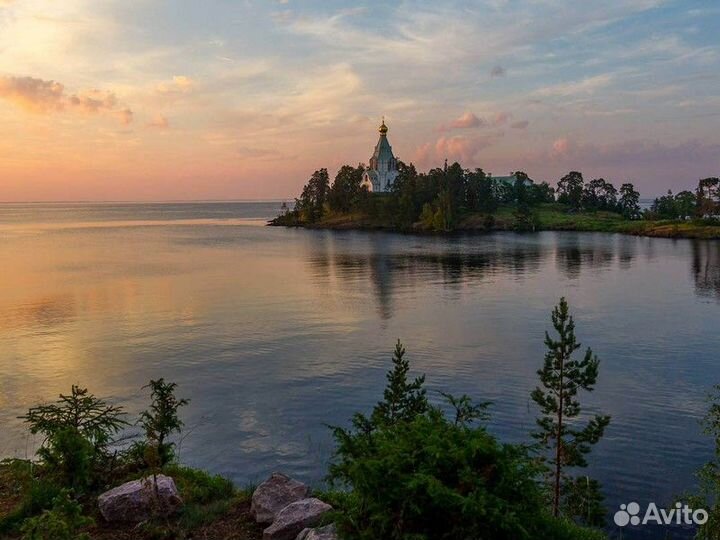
(706,267)
(575,251)
(387,263)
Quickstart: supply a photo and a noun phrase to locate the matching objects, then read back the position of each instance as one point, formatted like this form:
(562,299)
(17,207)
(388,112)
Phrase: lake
(274,333)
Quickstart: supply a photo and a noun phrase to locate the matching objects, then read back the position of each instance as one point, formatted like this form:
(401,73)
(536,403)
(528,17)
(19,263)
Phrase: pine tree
(561,378)
(402,400)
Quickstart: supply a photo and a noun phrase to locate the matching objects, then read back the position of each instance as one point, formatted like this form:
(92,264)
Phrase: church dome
(383,128)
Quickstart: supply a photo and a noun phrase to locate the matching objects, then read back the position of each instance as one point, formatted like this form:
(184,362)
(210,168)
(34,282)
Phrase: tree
(402,399)
(481,194)
(599,195)
(665,207)
(542,193)
(345,190)
(314,195)
(405,190)
(78,428)
(708,197)
(561,378)
(417,473)
(161,420)
(685,204)
(570,190)
(629,203)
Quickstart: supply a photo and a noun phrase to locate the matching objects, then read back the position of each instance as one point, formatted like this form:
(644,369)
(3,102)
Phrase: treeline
(440,198)
(704,203)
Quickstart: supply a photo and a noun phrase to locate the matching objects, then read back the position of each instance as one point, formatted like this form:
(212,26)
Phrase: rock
(274,494)
(295,517)
(139,500)
(327,532)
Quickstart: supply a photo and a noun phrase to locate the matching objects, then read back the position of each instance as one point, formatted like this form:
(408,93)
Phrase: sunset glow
(243,100)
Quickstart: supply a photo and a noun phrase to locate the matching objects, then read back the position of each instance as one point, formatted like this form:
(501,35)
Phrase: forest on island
(443,199)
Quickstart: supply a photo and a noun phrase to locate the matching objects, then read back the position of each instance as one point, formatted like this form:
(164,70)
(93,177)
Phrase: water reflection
(385,263)
(706,268)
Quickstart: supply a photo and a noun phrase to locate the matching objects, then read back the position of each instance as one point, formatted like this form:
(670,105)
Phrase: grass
(213,507)
(548,217)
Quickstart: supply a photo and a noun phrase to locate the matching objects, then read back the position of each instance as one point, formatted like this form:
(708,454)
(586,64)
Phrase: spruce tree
(561,378)
(403,399)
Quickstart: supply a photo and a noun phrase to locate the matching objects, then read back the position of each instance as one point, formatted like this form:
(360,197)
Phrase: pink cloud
(522,124)
(468,120)
(41,96)
(456,148)
(32,94)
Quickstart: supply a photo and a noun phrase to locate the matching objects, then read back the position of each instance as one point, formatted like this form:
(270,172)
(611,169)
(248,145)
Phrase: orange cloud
(93,101)
(32,94)
(41,96)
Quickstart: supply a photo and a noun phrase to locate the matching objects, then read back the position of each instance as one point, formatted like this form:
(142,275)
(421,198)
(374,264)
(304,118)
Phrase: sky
(244,99)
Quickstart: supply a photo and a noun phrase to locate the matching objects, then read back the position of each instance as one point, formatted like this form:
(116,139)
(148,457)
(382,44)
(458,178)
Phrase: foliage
(78,429)
(402,399)
(311,204)
(161,420)
(37,495)
(346,191)
(62,522)
(708,495)
(561,378)
(599,195)
(708,197)
(629,203)
(411,473)
(570,190)
(200,487)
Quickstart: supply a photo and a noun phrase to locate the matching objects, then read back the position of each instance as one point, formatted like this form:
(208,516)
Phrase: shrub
(78,429)
(38,496)
(161,420)
(62,522)
(417,474)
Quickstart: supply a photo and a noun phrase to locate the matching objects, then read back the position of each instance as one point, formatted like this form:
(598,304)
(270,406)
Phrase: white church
(382,171)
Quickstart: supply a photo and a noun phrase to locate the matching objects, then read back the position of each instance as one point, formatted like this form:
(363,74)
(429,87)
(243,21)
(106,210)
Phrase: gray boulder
(295,517)
(327,532)
(274,494)
(140,499)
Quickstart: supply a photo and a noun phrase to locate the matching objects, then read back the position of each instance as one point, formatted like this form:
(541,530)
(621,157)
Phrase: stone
(328,532)
(139,500)
(295,517)
(274,494)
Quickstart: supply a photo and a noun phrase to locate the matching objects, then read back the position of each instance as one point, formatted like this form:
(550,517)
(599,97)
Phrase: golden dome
(383,128)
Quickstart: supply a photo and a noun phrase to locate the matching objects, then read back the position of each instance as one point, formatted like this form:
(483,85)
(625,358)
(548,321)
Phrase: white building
(382,171)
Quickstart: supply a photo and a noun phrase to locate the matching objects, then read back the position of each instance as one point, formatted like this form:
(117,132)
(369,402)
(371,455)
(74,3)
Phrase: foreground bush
(413,473)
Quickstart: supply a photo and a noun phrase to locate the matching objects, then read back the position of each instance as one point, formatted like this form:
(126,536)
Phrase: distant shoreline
(548,218)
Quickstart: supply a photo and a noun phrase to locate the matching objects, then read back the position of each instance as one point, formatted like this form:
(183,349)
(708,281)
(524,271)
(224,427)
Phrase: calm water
(273,333)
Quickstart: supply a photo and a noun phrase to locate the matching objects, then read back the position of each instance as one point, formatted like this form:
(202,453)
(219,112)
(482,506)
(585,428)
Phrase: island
(390,195)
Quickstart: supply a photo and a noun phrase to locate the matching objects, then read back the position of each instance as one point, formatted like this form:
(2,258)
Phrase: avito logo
(682,514)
